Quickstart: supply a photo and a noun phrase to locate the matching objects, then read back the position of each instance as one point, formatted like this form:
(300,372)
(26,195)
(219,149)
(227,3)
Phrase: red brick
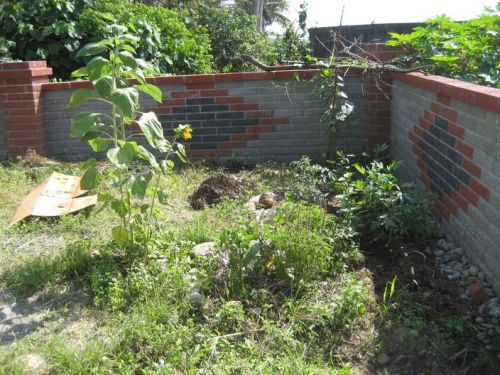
(477,292)
(81,85)
(469,194)
(471,167)
(488,101)
(444,111)
(260,128)
(199,78)
(245,137)
(166,80)
(174,102)
(244,107)
(443,99)
(230,145)
(449,204)
(429,117)
(275,121)
(480,189)
(259,114)
(465,149)
(456,130)
(56,86)
(161,110)
(229,99)
(459,201)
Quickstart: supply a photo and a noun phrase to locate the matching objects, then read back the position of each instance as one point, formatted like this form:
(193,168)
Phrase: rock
(33,364)
(441,243)
(491,332)
(489,348)
(476,291)
(253,203)
(465,273)
(479,320)
(473,270)
(495,312)
(428,250)
(383,359)
(439,253)
(493,302)
(251,206)
(422,353)
(203,249)
(445,259)
(480,276)
(196,298)
(489,292)
(162,261)
(264,214)
(267,200)
(450,246)
(95,254)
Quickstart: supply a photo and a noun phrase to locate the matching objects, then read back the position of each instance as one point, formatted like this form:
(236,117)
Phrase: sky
(359,12)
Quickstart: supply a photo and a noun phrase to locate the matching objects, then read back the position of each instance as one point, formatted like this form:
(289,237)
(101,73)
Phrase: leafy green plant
(232,33)
(310,182)
(45,29)
(132,166)
(374,199)
(244,250)
(292,46)
(168,37)
(467,50)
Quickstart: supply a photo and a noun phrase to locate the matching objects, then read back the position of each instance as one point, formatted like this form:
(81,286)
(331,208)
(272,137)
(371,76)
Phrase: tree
(266,11)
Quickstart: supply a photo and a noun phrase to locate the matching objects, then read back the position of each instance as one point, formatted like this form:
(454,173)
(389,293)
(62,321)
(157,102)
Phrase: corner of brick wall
(378,89)
(20,90)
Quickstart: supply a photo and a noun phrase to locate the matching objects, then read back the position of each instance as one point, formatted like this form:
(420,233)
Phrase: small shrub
(244,250)
(375,200)
(310,182)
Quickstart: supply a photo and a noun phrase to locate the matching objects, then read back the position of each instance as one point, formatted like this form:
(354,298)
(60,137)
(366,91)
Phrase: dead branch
(370,66)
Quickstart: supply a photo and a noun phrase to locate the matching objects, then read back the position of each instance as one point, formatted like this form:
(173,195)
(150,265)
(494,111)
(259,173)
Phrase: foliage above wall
(465,50)
(54,30)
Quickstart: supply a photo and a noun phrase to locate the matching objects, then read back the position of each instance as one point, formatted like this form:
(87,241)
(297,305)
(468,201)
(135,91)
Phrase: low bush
(377,202)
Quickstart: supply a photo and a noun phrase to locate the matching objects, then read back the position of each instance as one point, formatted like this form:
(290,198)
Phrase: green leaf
(100,144)
(162,196)
(120,234)
(104,196)
(127,59)
(90,179)
(84,122)
(82,72)
(139,186)
(91,49)
(153,131)
(127,100)
(122,156)
(88,163)
(80,97)
(99,67)
(104,86)
(151,90)
(359,168)
(120,207)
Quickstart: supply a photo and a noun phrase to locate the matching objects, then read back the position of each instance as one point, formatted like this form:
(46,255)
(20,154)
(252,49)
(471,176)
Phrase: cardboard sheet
(59,195)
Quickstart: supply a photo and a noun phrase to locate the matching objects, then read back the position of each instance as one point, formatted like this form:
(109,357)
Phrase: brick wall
(447,133)
(247,116)
(20,91)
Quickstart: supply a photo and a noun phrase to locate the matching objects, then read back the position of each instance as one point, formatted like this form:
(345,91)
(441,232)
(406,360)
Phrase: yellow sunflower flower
(186,133)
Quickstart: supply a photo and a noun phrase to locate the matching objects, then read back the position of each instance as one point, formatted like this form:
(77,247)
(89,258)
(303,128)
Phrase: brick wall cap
(478,95)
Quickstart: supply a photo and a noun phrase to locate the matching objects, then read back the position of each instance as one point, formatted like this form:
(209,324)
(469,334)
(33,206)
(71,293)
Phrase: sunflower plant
(129,183)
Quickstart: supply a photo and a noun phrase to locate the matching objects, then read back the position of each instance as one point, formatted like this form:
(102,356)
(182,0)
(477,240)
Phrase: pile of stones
(475,288)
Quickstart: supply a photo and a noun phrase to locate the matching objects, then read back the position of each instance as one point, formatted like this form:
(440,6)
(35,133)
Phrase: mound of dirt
(215,188)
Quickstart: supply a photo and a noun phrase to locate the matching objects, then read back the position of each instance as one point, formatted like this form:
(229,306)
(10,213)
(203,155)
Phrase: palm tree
(266,11)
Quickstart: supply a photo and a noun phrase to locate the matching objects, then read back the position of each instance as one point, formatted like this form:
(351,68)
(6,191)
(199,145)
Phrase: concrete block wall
(245,116)
(447,133)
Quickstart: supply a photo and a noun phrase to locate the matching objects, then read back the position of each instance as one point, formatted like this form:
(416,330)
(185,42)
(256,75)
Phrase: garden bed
(74,302)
